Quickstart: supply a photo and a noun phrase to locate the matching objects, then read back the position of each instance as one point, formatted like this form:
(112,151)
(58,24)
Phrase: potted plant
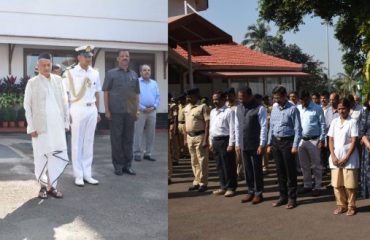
(13,108)
(12,116)
(7,116)
(19,110)
(4,108)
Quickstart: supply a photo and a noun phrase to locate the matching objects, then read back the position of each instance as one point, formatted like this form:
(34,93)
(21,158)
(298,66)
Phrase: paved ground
(121,207)
(204,216)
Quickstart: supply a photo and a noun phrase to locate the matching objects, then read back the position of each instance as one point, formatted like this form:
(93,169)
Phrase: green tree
(345,83)
(276,46)
(257,35)
(352,29)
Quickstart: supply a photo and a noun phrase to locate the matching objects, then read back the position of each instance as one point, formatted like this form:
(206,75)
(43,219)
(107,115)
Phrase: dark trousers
(324,154)
(285,168)
(122,128)
(225,163)
(253,171)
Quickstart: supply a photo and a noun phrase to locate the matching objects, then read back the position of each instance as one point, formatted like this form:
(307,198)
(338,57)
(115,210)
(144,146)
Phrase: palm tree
(346,82)
(257,35)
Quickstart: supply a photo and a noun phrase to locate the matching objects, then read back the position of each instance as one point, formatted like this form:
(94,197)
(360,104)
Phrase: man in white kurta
(47,118)
(83,84)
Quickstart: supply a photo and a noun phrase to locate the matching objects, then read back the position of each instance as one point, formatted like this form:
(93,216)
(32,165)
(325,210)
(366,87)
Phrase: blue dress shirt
(149,94)
(312,120)
(285,122)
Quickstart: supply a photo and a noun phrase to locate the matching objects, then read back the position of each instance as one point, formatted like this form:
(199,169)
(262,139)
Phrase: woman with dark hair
(344,159)
(365,163)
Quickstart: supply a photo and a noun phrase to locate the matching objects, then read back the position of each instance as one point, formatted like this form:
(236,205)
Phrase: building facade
(203,55)
(60,26)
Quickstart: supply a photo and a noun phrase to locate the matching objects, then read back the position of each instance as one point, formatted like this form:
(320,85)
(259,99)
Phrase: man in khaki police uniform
(172,123)
(181,100)
(196,137)
(82,83)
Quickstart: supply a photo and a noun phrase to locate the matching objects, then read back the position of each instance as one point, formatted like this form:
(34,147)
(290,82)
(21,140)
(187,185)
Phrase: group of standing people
(56,104)
(306,134)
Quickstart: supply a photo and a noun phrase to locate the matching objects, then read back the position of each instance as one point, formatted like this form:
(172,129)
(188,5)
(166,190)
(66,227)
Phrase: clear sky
(234,16)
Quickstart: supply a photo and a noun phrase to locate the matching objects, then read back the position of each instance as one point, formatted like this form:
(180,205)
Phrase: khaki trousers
(181,131)
(174,146)
(345,182)
(169,158)
(199,159)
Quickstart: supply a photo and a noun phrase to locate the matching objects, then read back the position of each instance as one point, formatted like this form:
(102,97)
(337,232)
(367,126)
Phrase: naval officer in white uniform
(83,84)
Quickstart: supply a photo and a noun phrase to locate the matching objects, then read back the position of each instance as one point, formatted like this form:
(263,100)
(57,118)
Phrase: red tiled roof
(253,73)
(234,55)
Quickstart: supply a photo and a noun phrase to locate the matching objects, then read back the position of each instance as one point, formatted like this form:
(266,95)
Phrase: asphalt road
(120,207)
(203,216)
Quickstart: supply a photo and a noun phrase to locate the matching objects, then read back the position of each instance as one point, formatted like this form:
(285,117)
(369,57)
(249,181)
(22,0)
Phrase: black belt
(310,138)
(195,133)
(219,138)
(182,122)
(288,138)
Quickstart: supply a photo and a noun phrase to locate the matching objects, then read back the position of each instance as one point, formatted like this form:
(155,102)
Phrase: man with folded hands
(196,137)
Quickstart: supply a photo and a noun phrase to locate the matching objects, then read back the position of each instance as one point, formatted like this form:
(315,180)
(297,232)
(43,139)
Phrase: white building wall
(162,79)
(17,62)
(108,20)
(3,60)
(139,25)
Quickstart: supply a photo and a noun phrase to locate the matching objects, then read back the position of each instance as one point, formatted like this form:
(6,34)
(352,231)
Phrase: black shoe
(304,190)
(193,188)
(315,192)
(169,181)
(129,171)
(149,158)
(118,172)
(137,158)
(202,188)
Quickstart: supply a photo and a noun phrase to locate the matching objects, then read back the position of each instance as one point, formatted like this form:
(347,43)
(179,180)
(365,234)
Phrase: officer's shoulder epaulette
(71,66)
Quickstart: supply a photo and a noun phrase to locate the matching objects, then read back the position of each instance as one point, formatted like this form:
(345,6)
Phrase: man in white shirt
(222,141)
(83,84)
(356,110)
(46,108)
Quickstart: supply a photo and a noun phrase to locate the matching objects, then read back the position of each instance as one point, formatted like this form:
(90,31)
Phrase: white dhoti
(84,119)
(50,148)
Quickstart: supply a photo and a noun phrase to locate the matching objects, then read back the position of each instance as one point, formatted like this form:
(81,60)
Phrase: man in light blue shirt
(284,136)
(149,102)
(313,139)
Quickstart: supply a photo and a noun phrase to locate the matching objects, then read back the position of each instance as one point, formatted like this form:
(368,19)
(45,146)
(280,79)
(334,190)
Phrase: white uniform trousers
(84,119)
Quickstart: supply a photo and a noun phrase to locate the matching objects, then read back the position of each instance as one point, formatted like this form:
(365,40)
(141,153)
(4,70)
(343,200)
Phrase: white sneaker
(79,182)
(91,180)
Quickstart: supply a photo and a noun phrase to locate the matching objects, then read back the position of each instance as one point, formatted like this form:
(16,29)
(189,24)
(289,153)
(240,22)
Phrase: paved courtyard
(120,207)
(203,216)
